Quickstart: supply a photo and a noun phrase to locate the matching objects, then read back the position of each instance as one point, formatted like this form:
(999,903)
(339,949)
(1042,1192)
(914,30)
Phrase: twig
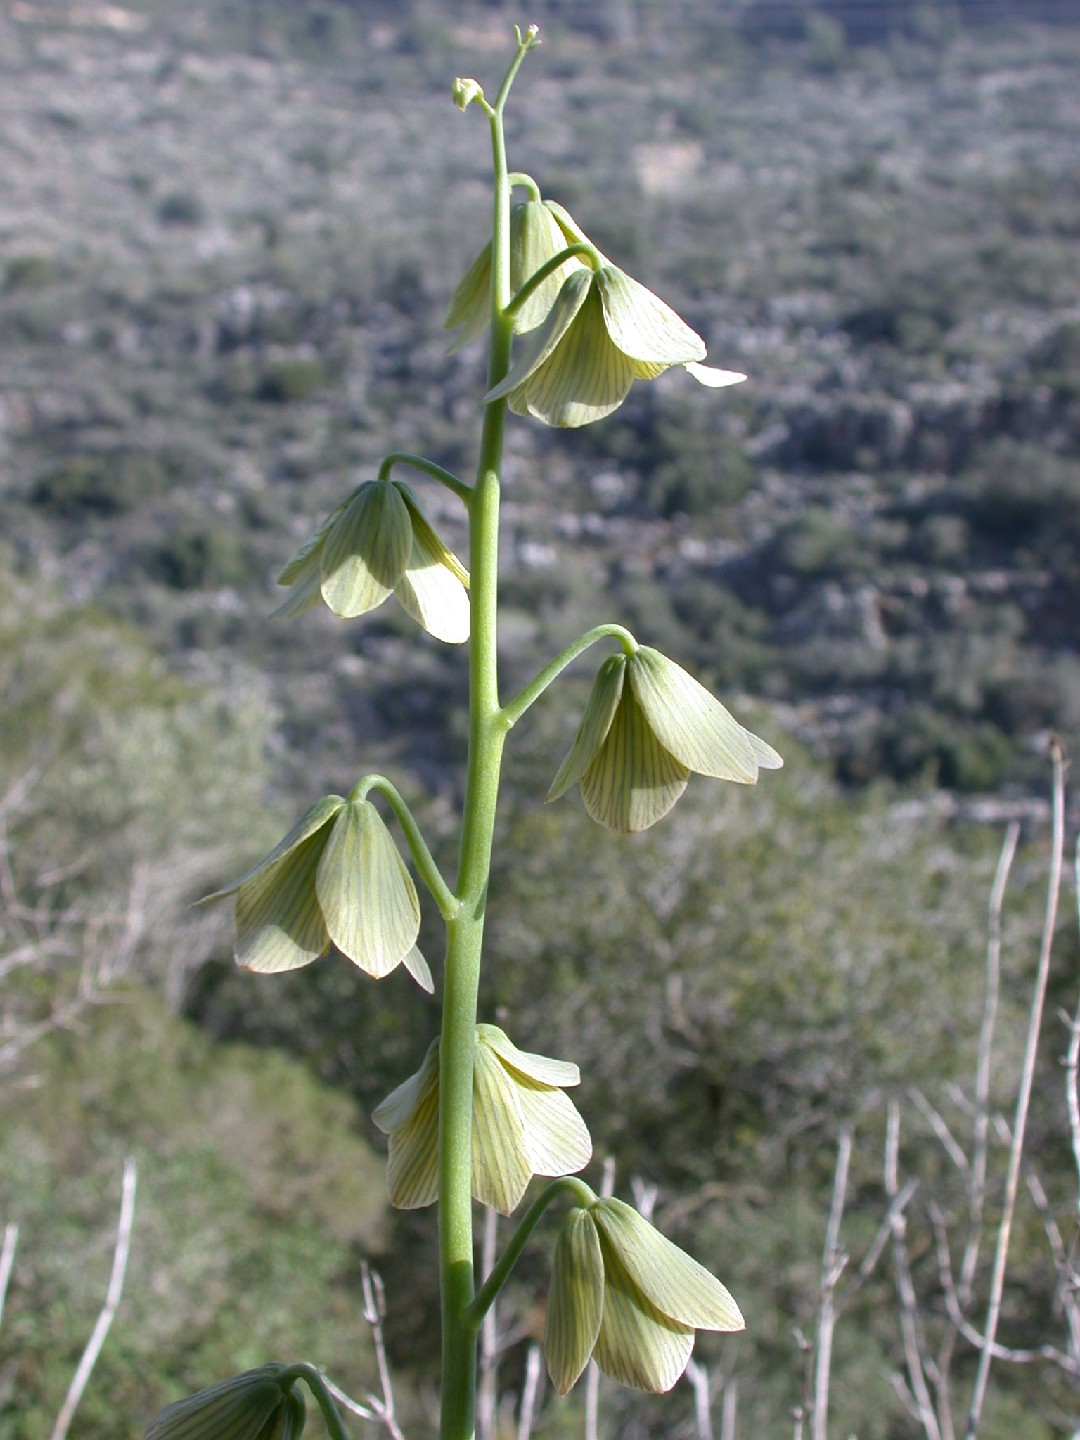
(108,1310)
(1023,1099)
(7,1261)
(374,1313)
(697,1376)
(729,1412)
(833,1262)
(922,1407)
(1072,1056)
(486,1397)
(530,1393)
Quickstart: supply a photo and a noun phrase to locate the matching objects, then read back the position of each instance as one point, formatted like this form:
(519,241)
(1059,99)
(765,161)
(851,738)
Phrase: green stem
(519,180)
(537,278)
(500,1271)
(514,709)
(445,477)
(465,930)
(429,872)
(325,1401)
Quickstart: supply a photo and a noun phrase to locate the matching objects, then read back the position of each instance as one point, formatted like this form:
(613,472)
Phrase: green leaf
(693,725)
(575,1302)
(668,1278)
(595,724)
(634,781)
(642,326)
(366,893)
(365,552)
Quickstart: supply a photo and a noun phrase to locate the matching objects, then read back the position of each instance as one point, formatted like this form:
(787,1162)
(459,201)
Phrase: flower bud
(251,1406)
(465,91)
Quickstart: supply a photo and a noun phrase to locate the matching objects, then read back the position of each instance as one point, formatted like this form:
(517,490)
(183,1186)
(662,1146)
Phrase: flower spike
(523,1125)
(626,1296)
(379,542)
(646,727)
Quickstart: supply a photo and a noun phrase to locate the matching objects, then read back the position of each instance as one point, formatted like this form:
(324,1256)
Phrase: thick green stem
(514,709)
(464,932)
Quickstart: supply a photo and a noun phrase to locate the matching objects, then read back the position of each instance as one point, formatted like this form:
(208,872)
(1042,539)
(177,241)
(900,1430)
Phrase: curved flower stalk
(376,543)
(646,727)
(253,1406)
(336,878)
(523,1125)
(624,1295)
(536,236)
(603,332)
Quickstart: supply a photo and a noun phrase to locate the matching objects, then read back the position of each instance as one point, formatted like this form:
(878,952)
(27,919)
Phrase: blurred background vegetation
(228,233)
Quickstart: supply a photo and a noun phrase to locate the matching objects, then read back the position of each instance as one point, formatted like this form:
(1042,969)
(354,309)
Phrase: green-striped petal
(668,1278)
(419,969)
(541,1068)
(312,820)
(365,552)
(410,1116)
(244,1407)
(575,1301)
(557,1140)
(583,379)
(305,590)
(693,725)
(279,925)
(641,325)
(288,1423)
(638,1345)
(595,724)
(535,238)
(367,895)
(714,379)
(633,781)
(543,341)
(572,231)
(434,588)
(500,1164)
(470,305)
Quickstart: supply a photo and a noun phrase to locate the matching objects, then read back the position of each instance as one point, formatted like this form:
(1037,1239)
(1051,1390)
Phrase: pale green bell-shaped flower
(523,1125)
(376,543)
(251,1406)
(603,332)
(624,1295)
(336,878)
(535,237)
(646,727)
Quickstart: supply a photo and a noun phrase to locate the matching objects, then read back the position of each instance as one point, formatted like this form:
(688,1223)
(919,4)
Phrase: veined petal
(412,1166)
(470,305)
(288,1423)
(542,341)
(570,228)
(641,325)
(420,970)
(500,1165)
(575,1301)
(433,589)
(633,781)
(312,820)
(236,1409)
(557,1140)
(365,552)
(305,591)
(676,1284)
(713,378)
(692,724)
(535,238)
(279,925)
(584,378)
(399,1106)
(553,1073)
(366,893)
(637,1344)
(300,562)
(595,724)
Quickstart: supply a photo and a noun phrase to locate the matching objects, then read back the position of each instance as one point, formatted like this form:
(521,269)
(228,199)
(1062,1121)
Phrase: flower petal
(313,819)
(433,589)
(595,724)
(412,1166)
(641,325)
(420,970)
(305,592)
(366,893)
(470,305)
(583,379)
(714,379)
(557,1140)
(365,552)
(236,1409)
(634,781)
(279,925)
(500,1166)
(542,341)
(575,1301)
(637,1344)
(540,1068)
(535,238)
(300,562)
(668,1278)
(399,1106)
(693,725)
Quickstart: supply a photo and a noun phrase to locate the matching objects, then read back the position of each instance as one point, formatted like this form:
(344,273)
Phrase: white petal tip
(715,379)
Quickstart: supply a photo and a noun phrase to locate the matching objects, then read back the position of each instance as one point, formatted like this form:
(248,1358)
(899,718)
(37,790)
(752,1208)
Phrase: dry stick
(530,1392)
(486,1398)
(592,1374)
(729,1413)
(7,1261)
(1072,1057)
(832,1267)
(374,1313)
(921,1406)
(697,1376)
(112,1299)
(1023,1099)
